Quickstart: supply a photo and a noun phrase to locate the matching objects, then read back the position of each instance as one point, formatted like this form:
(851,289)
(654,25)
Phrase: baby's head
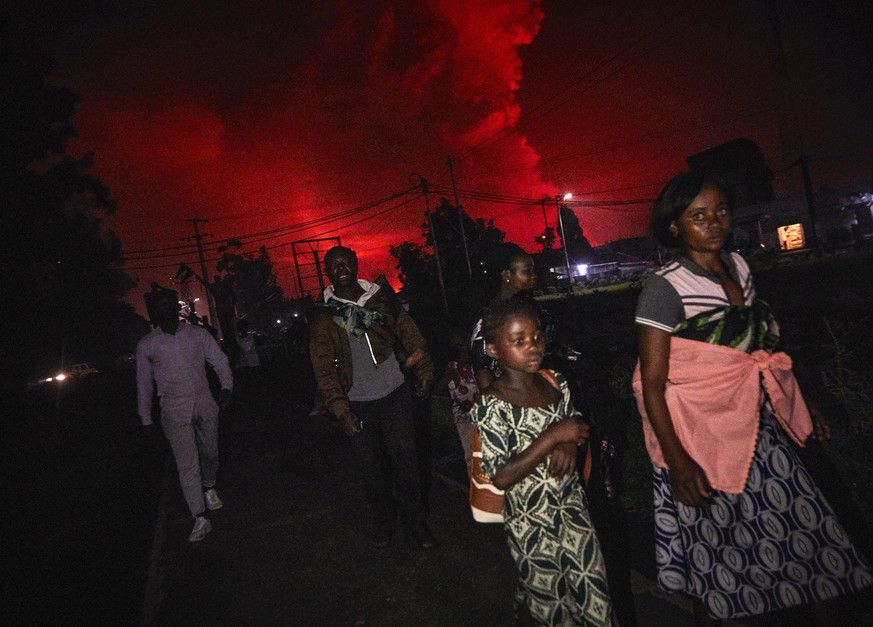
(513,334)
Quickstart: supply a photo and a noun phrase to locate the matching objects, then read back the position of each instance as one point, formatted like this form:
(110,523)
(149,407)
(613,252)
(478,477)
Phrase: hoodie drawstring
(370,346)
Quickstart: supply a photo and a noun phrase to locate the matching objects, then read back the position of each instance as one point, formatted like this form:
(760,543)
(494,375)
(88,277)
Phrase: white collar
(369,290)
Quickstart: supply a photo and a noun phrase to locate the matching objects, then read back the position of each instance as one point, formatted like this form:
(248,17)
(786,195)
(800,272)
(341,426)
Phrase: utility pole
(451,166)
(803,161)
(564,240)
(207,284)
(790,118)
(436,248)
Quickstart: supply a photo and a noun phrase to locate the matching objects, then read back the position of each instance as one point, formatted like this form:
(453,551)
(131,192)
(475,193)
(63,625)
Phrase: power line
(345,226)
(291,227)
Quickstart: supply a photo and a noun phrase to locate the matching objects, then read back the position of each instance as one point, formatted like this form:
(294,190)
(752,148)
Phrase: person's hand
(225,398)
(350,424)
(423,388)
(570,430)
(821,431)
(562,461)
(690,485)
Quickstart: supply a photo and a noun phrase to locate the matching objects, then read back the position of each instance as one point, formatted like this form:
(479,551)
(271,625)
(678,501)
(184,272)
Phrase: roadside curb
(153,593)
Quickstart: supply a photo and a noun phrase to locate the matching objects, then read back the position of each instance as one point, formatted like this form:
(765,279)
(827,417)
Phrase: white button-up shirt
(177,364)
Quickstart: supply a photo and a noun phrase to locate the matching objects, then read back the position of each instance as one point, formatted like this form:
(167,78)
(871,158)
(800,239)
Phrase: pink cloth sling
(714,395)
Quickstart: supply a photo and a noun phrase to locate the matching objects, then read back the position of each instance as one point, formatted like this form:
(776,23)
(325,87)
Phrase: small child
(461,383)
(529,435)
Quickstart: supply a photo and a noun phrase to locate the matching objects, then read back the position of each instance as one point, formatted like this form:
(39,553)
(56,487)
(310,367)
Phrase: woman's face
(705,224)
(520,276)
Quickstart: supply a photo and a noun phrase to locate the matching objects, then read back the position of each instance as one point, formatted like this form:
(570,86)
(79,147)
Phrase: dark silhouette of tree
(61,269)
(578,247)
(466,292)
(546,239)
(247,289)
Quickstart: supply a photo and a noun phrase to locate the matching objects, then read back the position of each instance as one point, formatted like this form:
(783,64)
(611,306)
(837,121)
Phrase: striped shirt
(682,289)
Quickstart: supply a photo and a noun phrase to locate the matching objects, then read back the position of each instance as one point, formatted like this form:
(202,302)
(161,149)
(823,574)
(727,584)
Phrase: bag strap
(549,376)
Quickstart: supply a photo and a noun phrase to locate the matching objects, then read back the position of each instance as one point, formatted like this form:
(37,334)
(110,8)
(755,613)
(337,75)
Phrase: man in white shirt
(174,356)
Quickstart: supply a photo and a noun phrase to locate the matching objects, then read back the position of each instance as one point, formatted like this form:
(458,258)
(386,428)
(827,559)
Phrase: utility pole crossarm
(198,238)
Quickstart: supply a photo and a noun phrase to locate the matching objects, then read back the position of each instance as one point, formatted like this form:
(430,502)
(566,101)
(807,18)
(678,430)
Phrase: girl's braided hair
(500,311)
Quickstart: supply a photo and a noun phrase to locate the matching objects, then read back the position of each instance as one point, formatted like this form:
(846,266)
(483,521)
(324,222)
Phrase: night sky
(261,116)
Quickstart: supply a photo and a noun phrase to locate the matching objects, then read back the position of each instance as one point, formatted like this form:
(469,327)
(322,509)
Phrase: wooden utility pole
(451,166)
(790,118)
(436,248)
(207,284)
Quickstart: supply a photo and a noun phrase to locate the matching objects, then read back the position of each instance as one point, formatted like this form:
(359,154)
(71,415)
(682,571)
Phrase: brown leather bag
(486,501)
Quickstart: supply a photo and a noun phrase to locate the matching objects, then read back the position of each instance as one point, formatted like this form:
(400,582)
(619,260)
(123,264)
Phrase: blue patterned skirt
(776,545)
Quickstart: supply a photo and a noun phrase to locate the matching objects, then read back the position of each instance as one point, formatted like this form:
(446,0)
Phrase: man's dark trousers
(388,461)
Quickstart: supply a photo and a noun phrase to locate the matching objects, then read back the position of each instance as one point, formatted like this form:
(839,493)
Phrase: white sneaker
(212,499)
(201,528)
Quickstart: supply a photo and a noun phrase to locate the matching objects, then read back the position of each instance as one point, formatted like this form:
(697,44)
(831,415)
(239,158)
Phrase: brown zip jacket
(331,353)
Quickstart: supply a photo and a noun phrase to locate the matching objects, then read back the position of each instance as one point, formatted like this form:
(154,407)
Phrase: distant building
(740,163)
(844,219)
(616,262)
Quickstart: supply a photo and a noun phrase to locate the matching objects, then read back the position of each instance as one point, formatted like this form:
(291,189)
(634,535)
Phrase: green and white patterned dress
(548,527)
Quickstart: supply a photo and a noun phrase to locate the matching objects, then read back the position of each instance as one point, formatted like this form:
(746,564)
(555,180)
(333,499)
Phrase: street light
(558,198)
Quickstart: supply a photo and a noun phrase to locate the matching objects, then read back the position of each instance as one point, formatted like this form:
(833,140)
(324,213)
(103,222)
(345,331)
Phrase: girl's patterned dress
(549,530)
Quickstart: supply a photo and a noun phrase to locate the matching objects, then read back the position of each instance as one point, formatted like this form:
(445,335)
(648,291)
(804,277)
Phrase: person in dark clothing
(353,335)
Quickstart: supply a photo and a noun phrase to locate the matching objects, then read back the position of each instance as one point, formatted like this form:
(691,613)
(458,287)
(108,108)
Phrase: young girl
(740,526)
(529,437)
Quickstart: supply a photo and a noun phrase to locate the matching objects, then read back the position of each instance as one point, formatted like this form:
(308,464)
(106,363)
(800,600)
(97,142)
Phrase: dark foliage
(248,289)
(61,269)
(467,290)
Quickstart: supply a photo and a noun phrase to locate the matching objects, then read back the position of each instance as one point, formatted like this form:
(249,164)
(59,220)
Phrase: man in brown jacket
(353,337)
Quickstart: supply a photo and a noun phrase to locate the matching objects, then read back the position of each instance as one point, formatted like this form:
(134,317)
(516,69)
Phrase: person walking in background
(740,525)
(526,420)
(513,268)
(248,346)
(352,338)
(459,380)
(174,356)
(249,365)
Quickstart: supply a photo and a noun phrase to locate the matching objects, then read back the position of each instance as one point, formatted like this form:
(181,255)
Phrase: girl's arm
(522,464)
(690,484)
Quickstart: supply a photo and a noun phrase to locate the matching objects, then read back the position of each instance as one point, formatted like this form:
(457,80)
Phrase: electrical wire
(345,226)
(291,227)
